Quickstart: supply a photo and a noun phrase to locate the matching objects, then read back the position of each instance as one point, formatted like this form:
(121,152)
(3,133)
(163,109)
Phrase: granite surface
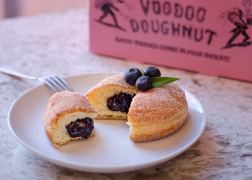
(58,43)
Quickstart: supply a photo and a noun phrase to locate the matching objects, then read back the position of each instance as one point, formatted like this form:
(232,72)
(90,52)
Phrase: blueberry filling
(80,128)
(120,102)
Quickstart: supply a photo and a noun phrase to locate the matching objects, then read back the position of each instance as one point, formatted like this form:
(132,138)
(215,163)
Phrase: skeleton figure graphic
(241,27)
(108,9)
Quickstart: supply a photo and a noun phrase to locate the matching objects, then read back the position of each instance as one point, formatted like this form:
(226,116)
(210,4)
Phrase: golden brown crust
(59,105)
(170,128)
(152,131)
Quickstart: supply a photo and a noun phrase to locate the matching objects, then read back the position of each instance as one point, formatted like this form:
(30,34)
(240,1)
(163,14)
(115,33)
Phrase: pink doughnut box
(210,37)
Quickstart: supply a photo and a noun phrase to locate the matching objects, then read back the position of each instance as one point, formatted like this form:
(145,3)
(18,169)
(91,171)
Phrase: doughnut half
(157,113)
(63,108)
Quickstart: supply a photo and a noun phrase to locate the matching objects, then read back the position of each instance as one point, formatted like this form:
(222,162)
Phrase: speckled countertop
(58,43)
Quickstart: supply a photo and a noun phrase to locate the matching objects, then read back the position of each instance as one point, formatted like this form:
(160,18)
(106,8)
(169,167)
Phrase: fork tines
(57,83)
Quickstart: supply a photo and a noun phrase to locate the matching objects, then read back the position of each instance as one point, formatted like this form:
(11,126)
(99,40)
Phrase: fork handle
(5,68)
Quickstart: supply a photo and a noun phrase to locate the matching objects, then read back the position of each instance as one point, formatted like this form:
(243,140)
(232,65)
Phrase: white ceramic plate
(110,150)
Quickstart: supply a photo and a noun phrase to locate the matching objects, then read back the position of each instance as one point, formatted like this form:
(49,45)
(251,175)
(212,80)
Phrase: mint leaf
(160,81)
(142,71)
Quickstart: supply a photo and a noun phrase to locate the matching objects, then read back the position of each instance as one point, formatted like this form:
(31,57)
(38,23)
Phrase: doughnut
(151,114)
(69,116)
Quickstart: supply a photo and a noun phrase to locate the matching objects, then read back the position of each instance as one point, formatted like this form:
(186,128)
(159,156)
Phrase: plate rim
(109,168)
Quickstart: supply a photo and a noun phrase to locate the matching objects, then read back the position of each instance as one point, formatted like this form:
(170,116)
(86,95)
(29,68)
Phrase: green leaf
(142,71)
(160,81)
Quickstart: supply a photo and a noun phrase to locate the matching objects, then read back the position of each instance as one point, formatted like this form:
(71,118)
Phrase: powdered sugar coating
(158,104)
(112,80)
(66,102)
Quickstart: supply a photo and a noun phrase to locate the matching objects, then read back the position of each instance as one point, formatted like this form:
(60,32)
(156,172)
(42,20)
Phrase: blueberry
(144,83)
(152,72)
(131,75)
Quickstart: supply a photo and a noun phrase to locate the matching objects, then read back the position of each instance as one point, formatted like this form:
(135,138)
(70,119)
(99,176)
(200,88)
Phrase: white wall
(1,9)
(10,8)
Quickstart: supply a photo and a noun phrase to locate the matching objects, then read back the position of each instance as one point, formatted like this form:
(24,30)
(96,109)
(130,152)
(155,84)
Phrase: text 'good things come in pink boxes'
(210,37)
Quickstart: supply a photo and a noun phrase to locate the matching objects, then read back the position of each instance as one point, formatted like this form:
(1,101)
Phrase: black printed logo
(241,24)
(109,13)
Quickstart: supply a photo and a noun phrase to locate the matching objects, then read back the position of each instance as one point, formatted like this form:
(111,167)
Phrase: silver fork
(54,81)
